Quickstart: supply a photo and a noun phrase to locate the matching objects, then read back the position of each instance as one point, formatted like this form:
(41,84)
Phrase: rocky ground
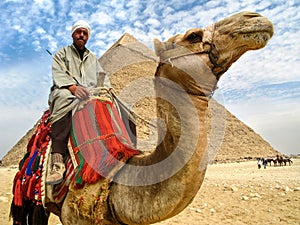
(232,193)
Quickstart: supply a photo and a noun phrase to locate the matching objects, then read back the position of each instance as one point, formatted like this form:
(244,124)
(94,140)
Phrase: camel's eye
(194,38)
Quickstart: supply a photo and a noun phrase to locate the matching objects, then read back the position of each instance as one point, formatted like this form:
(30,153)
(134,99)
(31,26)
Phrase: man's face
(80,37)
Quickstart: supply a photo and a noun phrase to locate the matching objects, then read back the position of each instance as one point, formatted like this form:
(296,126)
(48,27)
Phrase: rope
(63,67)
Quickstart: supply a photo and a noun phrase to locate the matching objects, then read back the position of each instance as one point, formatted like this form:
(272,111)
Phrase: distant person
(264,163)
(75,70)
(259,163)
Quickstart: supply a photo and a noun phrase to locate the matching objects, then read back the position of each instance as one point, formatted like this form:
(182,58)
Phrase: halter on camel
(181,57)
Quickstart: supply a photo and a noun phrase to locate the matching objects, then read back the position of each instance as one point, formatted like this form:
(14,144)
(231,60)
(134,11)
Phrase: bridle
(177,51)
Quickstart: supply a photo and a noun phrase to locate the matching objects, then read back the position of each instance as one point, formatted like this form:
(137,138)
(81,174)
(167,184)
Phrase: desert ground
(232,193)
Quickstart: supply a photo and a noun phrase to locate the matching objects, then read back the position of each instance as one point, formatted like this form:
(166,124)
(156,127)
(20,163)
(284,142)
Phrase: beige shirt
(87,72)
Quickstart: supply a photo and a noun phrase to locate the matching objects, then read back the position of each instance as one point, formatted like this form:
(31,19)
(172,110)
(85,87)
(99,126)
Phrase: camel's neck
(179,161)
(184,117)
(170,177)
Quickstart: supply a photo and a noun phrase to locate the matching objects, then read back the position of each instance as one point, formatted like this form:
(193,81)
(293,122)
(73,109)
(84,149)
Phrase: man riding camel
(75,70)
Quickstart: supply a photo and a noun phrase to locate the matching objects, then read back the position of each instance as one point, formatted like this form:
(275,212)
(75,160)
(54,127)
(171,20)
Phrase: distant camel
(282,161)
(287,160)
(279,160)
(270,160)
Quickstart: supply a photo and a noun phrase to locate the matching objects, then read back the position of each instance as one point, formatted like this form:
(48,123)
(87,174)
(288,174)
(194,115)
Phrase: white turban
(81,24)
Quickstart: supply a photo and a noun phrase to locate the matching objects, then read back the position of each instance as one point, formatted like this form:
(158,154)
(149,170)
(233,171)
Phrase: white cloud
(4,56)
(153,23)
(16,1)
(101,18)
(122,15)
(40,30)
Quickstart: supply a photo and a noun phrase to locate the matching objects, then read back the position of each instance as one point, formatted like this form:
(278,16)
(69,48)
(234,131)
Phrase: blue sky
(262,89)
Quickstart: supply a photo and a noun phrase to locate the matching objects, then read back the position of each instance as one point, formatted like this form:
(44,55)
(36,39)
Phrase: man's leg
(59,137)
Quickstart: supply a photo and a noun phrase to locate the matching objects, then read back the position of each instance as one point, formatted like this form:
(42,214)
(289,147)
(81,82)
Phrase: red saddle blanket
(99,140)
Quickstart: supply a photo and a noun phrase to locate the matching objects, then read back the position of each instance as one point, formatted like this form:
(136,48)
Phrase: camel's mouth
(258,35)
(255,40)
(258,25)
(266,32)
(247,28)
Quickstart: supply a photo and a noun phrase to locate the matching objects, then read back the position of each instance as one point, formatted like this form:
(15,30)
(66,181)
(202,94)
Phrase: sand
(232,193)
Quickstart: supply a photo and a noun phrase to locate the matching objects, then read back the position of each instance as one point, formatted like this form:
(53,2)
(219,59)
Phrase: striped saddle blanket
(100,141)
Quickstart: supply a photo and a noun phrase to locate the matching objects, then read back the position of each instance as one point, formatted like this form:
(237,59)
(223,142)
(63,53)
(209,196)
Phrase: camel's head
(220,44)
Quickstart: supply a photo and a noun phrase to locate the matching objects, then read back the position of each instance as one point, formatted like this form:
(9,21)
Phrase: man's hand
(80,92)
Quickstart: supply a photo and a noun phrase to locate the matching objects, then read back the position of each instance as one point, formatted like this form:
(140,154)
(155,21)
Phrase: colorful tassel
(18,193)
(31,187)
(31,163)
(26,187)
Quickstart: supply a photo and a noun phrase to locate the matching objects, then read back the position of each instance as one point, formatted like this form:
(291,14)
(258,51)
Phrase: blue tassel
(31,161)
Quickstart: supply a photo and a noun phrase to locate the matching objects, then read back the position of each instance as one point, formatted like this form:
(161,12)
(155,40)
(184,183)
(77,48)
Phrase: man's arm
(60,67)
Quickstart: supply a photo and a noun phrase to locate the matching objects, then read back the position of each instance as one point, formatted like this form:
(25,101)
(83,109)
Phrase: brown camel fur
(157,186)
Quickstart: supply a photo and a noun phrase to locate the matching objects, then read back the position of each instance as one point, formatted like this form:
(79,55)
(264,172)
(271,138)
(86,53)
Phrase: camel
(157,186)
(280,160)
(287,160)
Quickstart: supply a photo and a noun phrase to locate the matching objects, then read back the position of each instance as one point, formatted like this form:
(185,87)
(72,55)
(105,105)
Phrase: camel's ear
(159,47)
